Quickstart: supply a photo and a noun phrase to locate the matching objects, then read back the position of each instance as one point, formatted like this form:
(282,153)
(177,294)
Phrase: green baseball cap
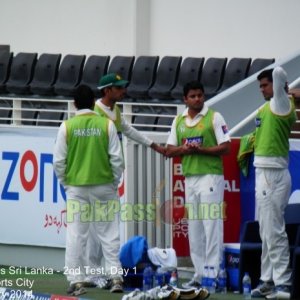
(111,79)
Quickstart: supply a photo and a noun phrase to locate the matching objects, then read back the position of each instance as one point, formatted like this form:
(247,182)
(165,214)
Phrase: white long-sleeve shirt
(280,104)
(61,150)
(127,129)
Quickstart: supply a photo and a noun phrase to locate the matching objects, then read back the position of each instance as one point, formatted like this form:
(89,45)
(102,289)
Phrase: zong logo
(14,167)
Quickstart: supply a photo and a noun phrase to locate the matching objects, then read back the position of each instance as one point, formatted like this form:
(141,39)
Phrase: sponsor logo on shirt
(182,128)
(200,125)
(257,122)
(224,129)
(194,140)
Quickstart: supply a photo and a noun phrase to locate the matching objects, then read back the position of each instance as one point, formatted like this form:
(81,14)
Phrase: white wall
(68,26)
(245,28)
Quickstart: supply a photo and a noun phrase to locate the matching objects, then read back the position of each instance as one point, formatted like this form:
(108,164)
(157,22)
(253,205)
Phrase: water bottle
(168,274)
(174,279)
(159,277)
(147,278)
(222,281)
(247,286)
(212,280)
(204,281)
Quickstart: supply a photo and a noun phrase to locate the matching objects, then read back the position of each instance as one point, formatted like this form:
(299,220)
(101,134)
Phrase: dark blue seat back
(21,74)
(45,74)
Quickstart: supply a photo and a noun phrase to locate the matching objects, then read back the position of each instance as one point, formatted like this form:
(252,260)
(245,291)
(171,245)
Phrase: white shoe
(263,289)
(191,284)
(281,292)
(116,285)
(76,289)
(100,282)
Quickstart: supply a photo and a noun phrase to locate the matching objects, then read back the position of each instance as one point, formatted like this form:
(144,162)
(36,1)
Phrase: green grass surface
(56,283)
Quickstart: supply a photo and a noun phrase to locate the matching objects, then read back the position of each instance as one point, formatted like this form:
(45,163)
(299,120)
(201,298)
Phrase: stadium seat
(259,64)
(53,116)
(295,293)
(29,112)
(122,65)
(250,250)
(292,220)
(166,78)
(190,70)
(47,119)
(5,112)
(95,67)
(292,213)
(212,75)
(5,64)
(69,75)
(21,73)
(164,121)
(295,133)
(143,76)
(166,115)
(236,70)
(45,74)
(144,119)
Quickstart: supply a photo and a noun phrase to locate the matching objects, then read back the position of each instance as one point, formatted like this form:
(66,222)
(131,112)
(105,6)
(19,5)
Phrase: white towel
(166,258)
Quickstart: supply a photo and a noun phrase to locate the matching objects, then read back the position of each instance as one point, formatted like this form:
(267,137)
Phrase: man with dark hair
(200,136)
(84,92)
(273,182)
(266,74)
(88,161)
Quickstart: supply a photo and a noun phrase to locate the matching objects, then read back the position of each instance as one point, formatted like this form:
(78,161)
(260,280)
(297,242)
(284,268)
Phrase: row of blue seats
(150,77)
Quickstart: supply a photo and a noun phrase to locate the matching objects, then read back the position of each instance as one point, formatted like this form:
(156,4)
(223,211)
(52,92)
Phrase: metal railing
(21,111)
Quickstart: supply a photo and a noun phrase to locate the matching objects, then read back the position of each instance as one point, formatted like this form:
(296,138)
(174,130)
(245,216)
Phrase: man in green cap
(113,89)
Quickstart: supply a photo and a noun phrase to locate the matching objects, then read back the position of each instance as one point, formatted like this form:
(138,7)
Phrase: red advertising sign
(232,198)
(180,226)
(60,297)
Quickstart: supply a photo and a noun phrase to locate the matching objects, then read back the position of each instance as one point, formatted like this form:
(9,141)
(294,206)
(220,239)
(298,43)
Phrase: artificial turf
(56,283)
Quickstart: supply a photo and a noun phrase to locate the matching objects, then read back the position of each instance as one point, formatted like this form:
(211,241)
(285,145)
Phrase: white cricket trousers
(272,190)
(204,202)
(95,257)
(83,199)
